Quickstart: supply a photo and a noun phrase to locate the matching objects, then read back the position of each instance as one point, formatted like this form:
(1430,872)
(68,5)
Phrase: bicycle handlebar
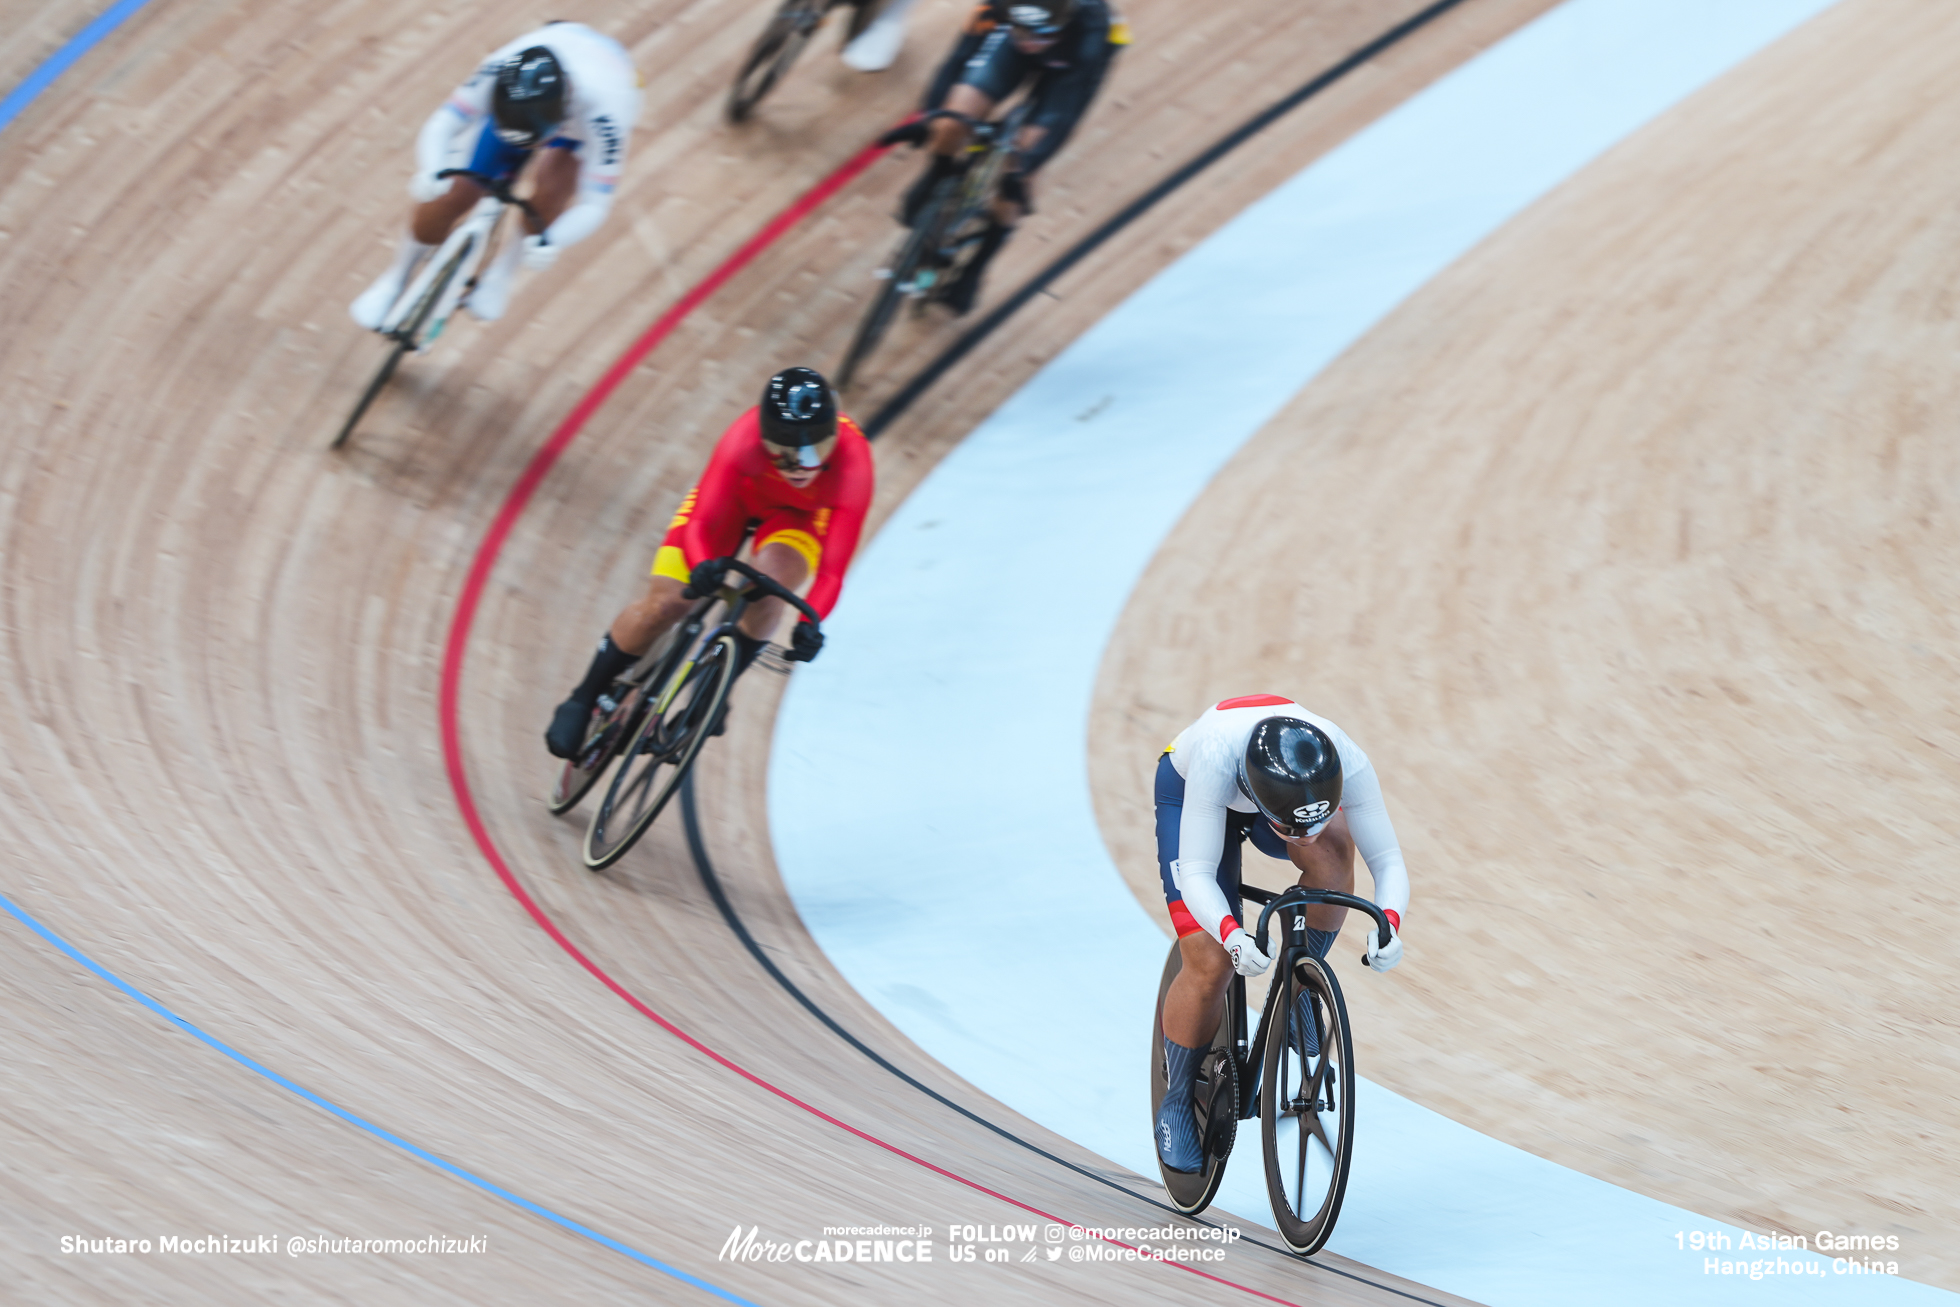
(1300,896)
(496,186)
(769,586)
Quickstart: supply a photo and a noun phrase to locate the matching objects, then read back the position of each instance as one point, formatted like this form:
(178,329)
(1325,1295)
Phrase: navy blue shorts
(496,158)
(1239,826)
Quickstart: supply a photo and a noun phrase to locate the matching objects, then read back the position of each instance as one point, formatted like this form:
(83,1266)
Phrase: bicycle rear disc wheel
(1306,1107)
(770,57)
(1215,1098)
(897,283)
(656,761)
(368,396)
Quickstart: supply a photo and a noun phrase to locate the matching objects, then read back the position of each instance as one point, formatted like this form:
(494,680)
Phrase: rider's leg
(877,46)
(1193,1007)
(1195,1000)
(786,557)
(1325,861)
(428,224)
(632,633)
(554,184)
(947,139)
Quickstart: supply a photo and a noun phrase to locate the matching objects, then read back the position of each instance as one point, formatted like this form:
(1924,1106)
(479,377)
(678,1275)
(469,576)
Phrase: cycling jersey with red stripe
(1206,754)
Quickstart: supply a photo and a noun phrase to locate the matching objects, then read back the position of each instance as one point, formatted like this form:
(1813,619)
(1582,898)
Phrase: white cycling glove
(1381,959)
(426,186)
(1247,960)
(539,253)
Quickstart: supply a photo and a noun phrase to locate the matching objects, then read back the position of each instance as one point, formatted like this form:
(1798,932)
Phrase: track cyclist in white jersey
(1261,768)
(565,95)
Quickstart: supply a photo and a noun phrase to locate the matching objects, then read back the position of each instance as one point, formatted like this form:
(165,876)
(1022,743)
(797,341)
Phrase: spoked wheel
(1215,1097)
(771,55)
(1306,1104)
(656,759)
(603,736)
(367,396)
(406,337)
(899,279)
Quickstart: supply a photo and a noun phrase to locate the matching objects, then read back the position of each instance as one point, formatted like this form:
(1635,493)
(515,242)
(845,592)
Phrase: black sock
(609,664)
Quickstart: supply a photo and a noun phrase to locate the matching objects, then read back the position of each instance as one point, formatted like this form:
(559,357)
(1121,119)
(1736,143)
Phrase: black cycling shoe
(567,730)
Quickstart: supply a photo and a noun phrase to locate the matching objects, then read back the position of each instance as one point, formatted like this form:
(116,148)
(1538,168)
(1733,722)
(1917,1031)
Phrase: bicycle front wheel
(771,55)
(658,757)
(899,279)
(1306,1103)
(368,396)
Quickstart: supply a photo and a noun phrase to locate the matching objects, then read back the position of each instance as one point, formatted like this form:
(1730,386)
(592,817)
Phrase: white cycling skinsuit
(599,115)
(602,103)
(1207,753)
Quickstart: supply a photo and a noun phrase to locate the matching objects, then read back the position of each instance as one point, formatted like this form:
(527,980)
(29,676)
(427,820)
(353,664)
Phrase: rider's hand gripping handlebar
(759,582)
(1300,896)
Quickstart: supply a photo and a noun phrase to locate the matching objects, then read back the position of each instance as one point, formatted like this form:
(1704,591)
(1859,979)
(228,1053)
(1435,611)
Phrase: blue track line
(10,108)
(58,63)
(420,1153)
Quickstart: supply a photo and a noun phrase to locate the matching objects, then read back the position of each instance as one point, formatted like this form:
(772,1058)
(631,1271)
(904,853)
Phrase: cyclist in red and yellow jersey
(801,473)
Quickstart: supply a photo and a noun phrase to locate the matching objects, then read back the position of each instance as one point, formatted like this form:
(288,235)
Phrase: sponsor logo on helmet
(1030,16)
(1312,813)
(803,401)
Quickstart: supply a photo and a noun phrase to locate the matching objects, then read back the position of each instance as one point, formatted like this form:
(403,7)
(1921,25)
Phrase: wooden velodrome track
(223,775)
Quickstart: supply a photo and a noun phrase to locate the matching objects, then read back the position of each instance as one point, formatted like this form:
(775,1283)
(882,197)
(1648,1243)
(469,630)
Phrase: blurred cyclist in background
(877,46)
(1059,50)
(564,95)
(798,472)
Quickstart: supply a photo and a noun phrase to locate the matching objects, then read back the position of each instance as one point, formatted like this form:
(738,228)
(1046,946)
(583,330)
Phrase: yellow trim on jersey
(1119,33)
(672,563)
(686,509)
(801,541)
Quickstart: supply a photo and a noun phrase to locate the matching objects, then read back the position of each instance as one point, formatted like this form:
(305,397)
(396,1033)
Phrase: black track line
(881,421)
(918,385)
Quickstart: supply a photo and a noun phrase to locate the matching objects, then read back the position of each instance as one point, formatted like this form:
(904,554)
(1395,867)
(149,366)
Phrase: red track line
(472,596)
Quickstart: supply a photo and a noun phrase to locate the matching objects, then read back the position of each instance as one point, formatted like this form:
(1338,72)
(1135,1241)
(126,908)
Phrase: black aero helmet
(529,101)
(798,409)
(1041,17)
(1292,773)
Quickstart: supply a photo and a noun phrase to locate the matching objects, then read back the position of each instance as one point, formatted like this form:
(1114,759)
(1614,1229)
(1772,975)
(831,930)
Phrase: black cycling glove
(804,641)
(706,578)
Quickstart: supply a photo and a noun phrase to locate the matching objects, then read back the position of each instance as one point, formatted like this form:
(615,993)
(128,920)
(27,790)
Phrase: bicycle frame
(473,238)
(1250,1052)
(760,586)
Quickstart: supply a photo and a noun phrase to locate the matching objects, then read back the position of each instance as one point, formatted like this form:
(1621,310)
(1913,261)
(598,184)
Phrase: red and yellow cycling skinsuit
(821,521)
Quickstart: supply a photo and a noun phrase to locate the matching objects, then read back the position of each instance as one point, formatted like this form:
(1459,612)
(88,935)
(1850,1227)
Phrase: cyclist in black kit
(1060,50)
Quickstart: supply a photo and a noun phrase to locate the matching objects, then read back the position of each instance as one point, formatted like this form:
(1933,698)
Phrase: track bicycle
(444,280)
(790,29)
(1296,1074)
(657,717)
(945,234)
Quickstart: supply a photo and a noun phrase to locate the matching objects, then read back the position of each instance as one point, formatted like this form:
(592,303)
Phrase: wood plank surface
(222,652)
(1626,549)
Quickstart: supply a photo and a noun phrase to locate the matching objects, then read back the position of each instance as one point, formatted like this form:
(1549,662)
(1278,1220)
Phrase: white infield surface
(929,793)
